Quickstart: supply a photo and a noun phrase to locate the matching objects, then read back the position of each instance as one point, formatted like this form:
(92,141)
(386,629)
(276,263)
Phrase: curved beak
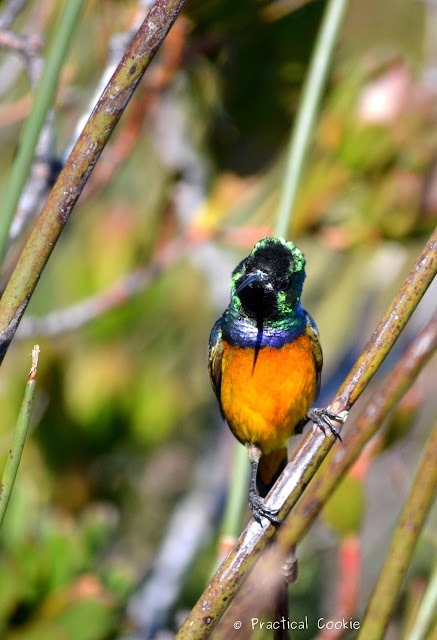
(259,277)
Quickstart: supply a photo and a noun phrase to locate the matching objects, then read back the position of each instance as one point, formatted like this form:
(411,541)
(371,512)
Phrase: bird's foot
(259,509)
(323,419)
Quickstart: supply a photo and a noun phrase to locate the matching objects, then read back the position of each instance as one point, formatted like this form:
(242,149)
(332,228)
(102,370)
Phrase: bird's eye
(284,285)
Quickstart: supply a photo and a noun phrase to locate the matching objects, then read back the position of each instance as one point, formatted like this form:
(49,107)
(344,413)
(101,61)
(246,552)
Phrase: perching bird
(265,362)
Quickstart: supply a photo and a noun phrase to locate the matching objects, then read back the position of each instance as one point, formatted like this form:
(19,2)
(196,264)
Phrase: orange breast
(263,403)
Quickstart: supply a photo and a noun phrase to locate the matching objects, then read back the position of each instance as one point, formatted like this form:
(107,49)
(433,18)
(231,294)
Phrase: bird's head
(268,283)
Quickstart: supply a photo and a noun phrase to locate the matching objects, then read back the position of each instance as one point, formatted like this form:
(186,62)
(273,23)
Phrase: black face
(268,270)
(259,303)
(275,260)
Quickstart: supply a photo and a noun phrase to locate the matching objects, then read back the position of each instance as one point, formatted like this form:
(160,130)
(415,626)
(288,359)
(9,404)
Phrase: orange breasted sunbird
(265,363)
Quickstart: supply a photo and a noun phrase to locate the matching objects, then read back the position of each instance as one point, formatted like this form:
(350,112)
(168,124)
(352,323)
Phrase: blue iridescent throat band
(240,333)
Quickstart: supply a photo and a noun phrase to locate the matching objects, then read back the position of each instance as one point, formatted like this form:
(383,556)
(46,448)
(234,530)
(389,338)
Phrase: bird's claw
(259,509)
(323,419)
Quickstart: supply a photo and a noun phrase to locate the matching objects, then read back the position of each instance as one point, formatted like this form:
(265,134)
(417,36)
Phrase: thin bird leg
(256,503)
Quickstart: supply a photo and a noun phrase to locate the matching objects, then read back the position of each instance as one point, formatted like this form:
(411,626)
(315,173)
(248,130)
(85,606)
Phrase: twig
(117,47)
(10,11)
(78,315)
(420,500)
(29,46)
(19,438)
(79,165)
(158,78)
(313,450)
(11,65)
(42,175)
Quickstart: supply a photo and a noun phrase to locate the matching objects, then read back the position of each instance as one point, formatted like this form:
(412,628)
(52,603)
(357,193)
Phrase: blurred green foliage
(348,521)
(123,403)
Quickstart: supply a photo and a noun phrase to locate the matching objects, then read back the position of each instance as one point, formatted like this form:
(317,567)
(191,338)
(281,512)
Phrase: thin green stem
(426,610)
(19,438)
(236,503)
(306,115)
(43,101)
(237,499)
(420,500)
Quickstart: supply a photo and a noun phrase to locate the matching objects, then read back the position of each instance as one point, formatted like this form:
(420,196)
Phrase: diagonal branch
(80,163)
(396,384)
(419,502)
(223,586)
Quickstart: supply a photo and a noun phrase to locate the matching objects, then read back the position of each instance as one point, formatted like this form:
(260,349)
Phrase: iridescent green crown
(265,249)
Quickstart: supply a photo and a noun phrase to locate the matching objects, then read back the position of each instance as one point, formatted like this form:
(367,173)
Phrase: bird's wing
(215,355)
(313,334)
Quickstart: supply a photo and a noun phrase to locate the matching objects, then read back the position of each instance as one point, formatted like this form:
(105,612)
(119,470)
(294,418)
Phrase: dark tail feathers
(270,468)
